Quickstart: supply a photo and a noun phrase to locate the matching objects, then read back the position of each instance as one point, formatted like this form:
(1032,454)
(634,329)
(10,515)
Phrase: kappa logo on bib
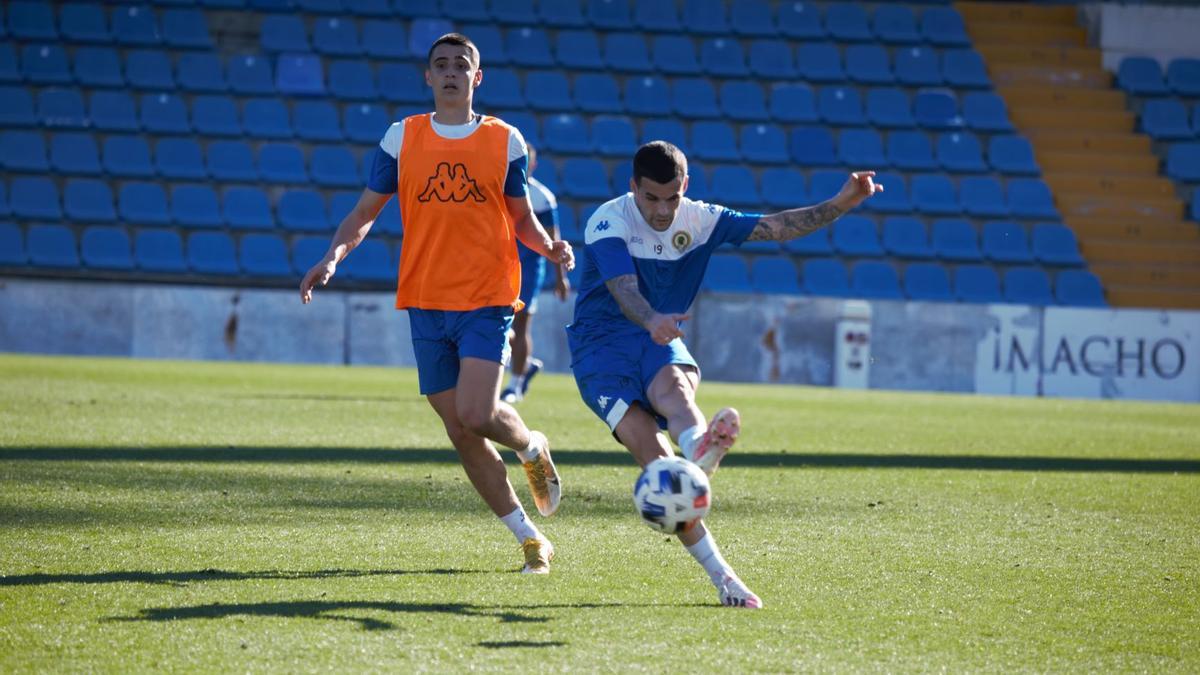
(451,184)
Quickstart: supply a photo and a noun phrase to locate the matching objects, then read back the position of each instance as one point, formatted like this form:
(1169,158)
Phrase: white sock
(515,381)
(521,527)
(530,452)
(689,438)
(708,555)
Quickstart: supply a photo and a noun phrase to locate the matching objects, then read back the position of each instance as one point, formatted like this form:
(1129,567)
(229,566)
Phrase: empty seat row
(1183,162)
(190,205)
(135,25)
(1167,119)
(1143,76)
(922,281)
(106,247)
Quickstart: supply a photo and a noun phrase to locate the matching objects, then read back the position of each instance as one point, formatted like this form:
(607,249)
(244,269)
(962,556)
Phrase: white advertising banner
(1008,352)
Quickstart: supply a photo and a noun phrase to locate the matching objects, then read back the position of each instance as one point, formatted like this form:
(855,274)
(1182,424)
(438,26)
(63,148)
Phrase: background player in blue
(645,257)
(533,274)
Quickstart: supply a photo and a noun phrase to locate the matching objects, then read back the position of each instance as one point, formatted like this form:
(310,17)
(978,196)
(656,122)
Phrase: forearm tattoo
(793,223)
(633,305)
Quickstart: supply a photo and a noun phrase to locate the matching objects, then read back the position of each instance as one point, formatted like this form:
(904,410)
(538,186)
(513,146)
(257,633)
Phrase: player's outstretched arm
(350,233)
(794,223)
(662,327)
(531,233)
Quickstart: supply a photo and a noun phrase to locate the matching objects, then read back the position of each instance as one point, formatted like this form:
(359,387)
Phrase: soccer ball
(671,494)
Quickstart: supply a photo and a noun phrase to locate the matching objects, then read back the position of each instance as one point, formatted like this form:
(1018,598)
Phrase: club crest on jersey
(451,184)
(681,241)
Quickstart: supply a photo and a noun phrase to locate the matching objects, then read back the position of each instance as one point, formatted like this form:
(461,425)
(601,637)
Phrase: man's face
(658,202)
(453,73)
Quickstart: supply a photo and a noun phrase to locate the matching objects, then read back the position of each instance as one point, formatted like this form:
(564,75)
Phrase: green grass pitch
(223,517)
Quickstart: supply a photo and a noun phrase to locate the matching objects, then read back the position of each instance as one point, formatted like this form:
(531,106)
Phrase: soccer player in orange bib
(461,183)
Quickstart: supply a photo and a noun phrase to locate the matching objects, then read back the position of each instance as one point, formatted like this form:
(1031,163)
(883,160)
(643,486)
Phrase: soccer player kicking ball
(461,184)
(645,257)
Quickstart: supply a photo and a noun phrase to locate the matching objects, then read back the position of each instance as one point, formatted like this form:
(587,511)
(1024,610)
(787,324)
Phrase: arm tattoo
(633,305)
(794,223)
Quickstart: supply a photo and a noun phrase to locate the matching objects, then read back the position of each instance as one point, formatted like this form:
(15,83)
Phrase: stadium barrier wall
(1160,31)
(986,349)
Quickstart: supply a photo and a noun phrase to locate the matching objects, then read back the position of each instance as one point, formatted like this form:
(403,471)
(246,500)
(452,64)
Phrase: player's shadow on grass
(183,578)
(520,644)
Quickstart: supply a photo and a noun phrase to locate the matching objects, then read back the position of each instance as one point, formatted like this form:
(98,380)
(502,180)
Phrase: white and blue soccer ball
(672,494)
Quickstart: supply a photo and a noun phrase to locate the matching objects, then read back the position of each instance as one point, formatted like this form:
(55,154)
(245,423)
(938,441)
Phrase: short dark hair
(454,39)
(659,161)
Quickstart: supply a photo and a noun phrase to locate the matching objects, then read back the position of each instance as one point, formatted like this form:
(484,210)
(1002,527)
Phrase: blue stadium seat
(705,17)
(889,107)
(694,98)
(841,106)
(955,239)
(1055,244)
(772,59)
(847,22)
(935,194)
(675,55)
(212,253)
(723,58)
(388,220)
(17,110)
(609,14)
(302,211)
(159,251)
(501,89)
(264,255)
(1079,288)
(519,12)
(800,21)
(529,47)
(1005,242)
(281,163)
(727,273)
(578,50)
(743,101)
(960,152)
(164,114)
(250,74)
(825,276)
(106,247)
(127,157)
(1195,212)
(895,24)
(752,18)
(597,93)
(1183,76)
(526,123)
(562,14)
(584,178)
(905,237)
(9,72)
(985,111)
(548,91)
(417,9)
(816,244)
(267,118)
(918,66)
(282,5)
(668,130)
(383,39)
(52,246)
(352,81)
(656,16)
(875,279)
(856,236)
(215,116)
(74,153)
(1012,155)
(1165,119)
(136,26)
(98,67)
(824,184)
(1030,198)
(1183,162)
(734,186)
(910,150)
(783,188)
(1141,76)
(423,31)
(982,197)
(488,41)
(964,69)
(246,208)
(299,74)
(793,103)
(977,283)
(195,206)
(306,251)
(819,62)
(149,70)
(614,136)
(894,198)
(861,148)
(88,200)
(23,151)
(466,10)
(943,26)
(12,246)
(284,33)
(813,146)
(45,64)
(764,144)
(936,109)
(1027,286)
(143,204)
(231,161)
(184,28)
(697,182)
(365,122)
(404,83)
(180,159)
(627,52)
(371,261)
(334,166)
(927,281)
(317,121)
(82,23)
(32,21)
(775,274)
(869,64)
(335,36)
(61,108)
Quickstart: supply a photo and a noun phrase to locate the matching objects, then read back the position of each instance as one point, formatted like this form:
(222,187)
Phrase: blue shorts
(616,374)
(442,339)
(533,275)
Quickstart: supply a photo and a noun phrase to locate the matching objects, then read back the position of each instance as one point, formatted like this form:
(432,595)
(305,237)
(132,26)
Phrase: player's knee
(477,419)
